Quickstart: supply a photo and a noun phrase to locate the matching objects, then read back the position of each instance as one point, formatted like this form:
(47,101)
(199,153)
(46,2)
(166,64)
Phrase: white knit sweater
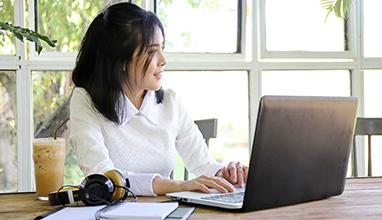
(144,146)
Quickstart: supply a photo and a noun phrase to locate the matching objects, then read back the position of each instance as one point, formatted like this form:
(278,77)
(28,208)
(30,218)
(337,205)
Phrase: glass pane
(7,41)
(51,92)
(301,25)
(373,109)
(372,34)
(137,2)
(8,149)
(66,24)
(300,82)
(373,93)
(216,94)
(199,26)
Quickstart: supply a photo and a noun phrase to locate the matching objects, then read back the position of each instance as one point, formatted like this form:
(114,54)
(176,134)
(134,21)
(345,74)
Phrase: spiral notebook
(125,211)
(138,210)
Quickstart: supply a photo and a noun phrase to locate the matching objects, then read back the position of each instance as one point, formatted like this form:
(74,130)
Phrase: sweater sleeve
(191,145)
(86,136)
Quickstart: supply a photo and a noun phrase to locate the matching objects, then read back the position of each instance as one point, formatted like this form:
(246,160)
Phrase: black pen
(49,213)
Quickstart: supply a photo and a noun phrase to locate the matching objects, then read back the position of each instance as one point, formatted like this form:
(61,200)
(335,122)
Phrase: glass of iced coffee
(49,159)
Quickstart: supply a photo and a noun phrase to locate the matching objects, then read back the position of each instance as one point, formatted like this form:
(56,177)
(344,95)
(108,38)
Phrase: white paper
(75,213)
(140,210)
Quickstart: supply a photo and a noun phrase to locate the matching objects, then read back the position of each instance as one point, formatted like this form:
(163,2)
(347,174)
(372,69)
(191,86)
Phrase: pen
(49,213)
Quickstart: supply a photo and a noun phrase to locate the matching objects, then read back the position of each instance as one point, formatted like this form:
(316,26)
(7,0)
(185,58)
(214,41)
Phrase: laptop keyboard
(227,198)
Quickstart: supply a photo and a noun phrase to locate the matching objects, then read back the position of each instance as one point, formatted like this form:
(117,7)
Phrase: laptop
(300,153)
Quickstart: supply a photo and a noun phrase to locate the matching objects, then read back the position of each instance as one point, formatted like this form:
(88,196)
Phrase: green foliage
(194,3)
(21,33)
(50,90)
(67,21)
(6,14)
(339,7)
(73,174)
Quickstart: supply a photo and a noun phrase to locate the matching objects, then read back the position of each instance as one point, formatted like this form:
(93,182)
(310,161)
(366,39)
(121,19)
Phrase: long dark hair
(107,48)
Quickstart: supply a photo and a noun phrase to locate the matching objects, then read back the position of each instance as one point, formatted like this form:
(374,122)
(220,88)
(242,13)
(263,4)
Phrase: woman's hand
(235,173)
(203,183)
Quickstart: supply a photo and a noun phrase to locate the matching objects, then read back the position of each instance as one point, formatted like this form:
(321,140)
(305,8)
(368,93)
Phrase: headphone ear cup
(116,177)
(96,189)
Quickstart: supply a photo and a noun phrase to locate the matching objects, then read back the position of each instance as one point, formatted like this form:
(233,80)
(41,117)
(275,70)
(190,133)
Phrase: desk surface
(362,199)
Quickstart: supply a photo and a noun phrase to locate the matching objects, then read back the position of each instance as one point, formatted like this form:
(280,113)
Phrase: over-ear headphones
(95,189)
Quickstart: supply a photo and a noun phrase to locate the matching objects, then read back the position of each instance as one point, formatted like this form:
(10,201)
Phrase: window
(207,26)
(301,25)
(7,43)
(308,83)
(373,93)
(372,35)
(8,152)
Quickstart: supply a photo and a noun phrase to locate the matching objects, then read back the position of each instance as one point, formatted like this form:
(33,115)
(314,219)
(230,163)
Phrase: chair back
(208,128)
(368,127)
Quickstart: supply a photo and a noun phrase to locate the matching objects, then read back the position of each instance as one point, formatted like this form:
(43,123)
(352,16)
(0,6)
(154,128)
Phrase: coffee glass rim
(47,140)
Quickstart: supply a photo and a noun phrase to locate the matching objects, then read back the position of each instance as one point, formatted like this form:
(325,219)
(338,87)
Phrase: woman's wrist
(162,186)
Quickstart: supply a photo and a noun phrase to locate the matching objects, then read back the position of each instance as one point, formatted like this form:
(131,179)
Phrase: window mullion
(24,109)
(358,81)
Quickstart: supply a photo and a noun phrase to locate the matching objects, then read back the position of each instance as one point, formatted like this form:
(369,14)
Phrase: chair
(208,128)
(369,127)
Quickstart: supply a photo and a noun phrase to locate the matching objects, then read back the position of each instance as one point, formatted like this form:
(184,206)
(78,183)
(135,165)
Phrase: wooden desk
(362,199)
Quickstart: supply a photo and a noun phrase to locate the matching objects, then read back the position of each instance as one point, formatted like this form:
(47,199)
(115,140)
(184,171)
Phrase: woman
(122,119)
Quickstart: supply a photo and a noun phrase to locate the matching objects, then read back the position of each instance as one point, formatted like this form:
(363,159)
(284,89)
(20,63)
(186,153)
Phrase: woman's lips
(158,76)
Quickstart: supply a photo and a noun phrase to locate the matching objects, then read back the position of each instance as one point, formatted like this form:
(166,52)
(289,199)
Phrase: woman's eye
(152,51)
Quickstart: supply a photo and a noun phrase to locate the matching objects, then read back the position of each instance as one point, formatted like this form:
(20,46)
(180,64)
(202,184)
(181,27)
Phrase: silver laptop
(300,153)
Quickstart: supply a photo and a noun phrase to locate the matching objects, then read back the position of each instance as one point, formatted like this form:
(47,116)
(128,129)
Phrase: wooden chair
(368,127)
(208,128)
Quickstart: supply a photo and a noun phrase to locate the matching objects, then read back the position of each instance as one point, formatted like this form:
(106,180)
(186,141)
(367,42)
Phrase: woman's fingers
(235,173)
(203,183)
(232,176)
(202,187)
(245,174)
(214,185)
(239,174)
(223,182)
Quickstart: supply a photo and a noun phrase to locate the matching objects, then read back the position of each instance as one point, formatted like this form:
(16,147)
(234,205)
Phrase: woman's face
(151,80)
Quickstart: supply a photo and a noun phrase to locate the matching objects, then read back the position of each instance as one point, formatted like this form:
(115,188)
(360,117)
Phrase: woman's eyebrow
(155,45)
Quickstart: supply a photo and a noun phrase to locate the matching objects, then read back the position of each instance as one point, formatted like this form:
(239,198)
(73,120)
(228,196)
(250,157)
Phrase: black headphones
(95,189)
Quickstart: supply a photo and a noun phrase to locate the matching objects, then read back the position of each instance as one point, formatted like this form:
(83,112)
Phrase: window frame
(349,53)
